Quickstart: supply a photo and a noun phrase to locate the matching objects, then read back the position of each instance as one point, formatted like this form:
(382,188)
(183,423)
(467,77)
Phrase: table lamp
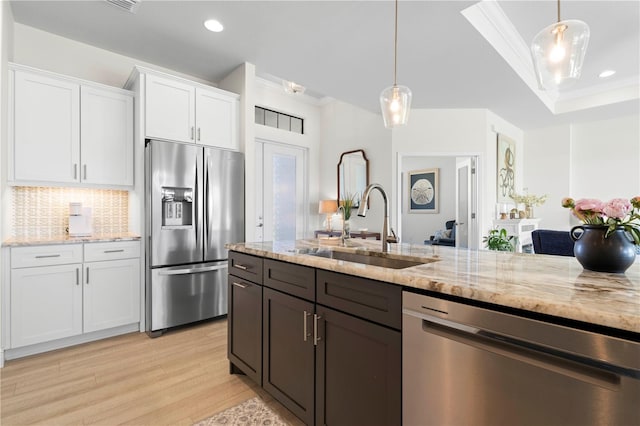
(328,207)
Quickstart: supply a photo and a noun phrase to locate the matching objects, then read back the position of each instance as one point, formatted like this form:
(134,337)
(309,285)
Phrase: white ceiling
(344,49)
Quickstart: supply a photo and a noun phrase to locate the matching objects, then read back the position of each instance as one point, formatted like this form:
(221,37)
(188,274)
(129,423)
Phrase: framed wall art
(423,191)
(506,169)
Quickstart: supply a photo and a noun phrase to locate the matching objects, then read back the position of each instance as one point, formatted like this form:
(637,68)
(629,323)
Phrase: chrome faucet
(386,228)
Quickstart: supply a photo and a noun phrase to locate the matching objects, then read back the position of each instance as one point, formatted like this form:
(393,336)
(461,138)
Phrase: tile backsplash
(43,212)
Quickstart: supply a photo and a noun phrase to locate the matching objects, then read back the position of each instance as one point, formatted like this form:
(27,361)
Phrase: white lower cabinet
(46,304)
(79,288)
(111,294)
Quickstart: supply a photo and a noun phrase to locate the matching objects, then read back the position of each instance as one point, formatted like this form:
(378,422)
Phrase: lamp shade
(328,206)
(395,102)
(558,53)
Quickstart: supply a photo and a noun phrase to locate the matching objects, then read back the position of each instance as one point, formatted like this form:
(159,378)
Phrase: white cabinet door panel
(46,129)
(111,294)
(46,304)
(216,119)
(107,137)
(170,109)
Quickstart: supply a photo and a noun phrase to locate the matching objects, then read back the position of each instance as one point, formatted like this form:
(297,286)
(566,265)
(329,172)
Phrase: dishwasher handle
(561,363)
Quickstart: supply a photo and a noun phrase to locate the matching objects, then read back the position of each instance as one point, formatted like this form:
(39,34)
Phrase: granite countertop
(22,242)
(552,285)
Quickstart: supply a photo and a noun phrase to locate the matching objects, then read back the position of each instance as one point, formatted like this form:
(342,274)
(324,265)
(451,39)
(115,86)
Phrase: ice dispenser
(177,205)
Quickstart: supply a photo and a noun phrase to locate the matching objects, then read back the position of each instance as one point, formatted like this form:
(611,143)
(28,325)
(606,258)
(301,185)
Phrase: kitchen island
(552,285)
(304,317)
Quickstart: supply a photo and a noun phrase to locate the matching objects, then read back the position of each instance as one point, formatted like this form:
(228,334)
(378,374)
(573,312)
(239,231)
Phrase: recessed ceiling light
(606,73)
(213,25)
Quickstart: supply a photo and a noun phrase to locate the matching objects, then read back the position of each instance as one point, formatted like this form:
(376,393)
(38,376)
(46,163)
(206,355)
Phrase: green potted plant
(498,240)
(347,202)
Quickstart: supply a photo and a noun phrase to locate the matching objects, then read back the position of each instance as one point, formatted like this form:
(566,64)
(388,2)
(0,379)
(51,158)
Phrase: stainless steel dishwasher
(466,365)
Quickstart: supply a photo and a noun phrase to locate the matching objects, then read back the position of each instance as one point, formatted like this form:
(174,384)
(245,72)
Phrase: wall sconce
(328,207)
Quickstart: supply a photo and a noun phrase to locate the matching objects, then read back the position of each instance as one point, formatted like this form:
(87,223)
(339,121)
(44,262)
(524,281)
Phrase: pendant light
(558,52)
(395,101)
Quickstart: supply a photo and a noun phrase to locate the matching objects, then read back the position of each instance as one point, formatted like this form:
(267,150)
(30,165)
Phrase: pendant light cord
(395,49)
(558,10)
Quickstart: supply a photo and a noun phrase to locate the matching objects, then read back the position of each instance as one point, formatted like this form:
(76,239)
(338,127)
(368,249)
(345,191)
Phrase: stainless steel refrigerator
(194,206)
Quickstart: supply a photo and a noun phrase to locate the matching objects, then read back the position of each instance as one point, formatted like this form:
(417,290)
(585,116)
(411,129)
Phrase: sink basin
(369,258)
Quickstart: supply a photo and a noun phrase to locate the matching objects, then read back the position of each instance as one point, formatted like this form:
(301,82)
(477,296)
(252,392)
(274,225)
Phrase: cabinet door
(170,109)
(106,137)
(245,327)
(216,119)
(46,304)
(46,133)
(288,352)
(111,294)
(358,372)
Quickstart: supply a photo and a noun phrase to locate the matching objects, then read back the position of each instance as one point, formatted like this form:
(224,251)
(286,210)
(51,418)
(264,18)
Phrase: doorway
(281,191)
(457,198)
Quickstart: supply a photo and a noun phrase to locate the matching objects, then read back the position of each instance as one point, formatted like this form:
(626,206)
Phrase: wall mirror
(353,175)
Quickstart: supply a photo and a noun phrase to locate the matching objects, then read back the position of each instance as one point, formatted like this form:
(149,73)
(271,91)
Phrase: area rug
(251,412)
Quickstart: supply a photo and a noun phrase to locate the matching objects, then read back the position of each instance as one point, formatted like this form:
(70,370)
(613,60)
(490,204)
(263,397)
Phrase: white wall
(605,158)
(459,132)
(417,227)
(346,128)
(598,159)
(548,171)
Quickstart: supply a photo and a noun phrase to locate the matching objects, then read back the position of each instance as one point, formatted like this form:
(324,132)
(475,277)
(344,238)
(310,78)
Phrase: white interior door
(466,193)
(281,192)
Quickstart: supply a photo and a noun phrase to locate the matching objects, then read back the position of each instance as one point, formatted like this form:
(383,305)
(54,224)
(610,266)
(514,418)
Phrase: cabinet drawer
(372,300)
(111,251)
(296,280)
(60,254)
(245,266)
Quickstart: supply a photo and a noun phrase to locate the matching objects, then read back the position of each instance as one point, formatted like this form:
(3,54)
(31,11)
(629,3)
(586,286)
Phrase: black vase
(596,252)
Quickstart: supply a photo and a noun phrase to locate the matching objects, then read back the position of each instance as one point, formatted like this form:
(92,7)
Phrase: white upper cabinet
(170,109)
(67,132)
(107,137)
(217,119)
(46,132)
(187,112)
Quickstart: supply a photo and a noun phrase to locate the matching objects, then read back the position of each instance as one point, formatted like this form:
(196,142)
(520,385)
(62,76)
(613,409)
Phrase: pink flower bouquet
(613,213)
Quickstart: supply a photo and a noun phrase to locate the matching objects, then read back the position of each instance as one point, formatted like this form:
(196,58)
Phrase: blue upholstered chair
(446,241)
(546,241)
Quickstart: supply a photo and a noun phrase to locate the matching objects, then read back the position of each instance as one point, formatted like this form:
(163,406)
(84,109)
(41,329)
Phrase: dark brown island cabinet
(330,346)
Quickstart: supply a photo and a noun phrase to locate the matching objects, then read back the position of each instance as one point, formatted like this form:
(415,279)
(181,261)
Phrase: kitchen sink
(384,260)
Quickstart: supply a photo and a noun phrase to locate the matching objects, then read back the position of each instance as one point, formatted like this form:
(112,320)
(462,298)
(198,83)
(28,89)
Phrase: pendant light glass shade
(395,102)
(558,53)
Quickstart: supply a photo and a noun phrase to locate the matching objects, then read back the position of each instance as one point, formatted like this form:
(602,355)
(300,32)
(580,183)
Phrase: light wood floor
(177,379)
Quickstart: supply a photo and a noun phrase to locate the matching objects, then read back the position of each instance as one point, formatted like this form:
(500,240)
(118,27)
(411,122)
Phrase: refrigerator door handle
(206,203)
(196,203)
(186,271)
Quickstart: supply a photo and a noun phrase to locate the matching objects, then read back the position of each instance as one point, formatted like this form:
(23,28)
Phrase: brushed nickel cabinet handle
(87,275)
(304,325)
(77,276)
(84,168)
(239,285)
(42,256)
(198,133)
(114,251)
(75,171)
(237,265)
(192,131)
(316,338)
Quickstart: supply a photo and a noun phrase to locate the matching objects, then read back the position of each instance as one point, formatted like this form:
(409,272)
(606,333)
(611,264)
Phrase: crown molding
(488,18)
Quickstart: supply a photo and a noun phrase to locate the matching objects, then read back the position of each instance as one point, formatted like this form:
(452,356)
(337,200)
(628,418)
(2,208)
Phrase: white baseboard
(15,353)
